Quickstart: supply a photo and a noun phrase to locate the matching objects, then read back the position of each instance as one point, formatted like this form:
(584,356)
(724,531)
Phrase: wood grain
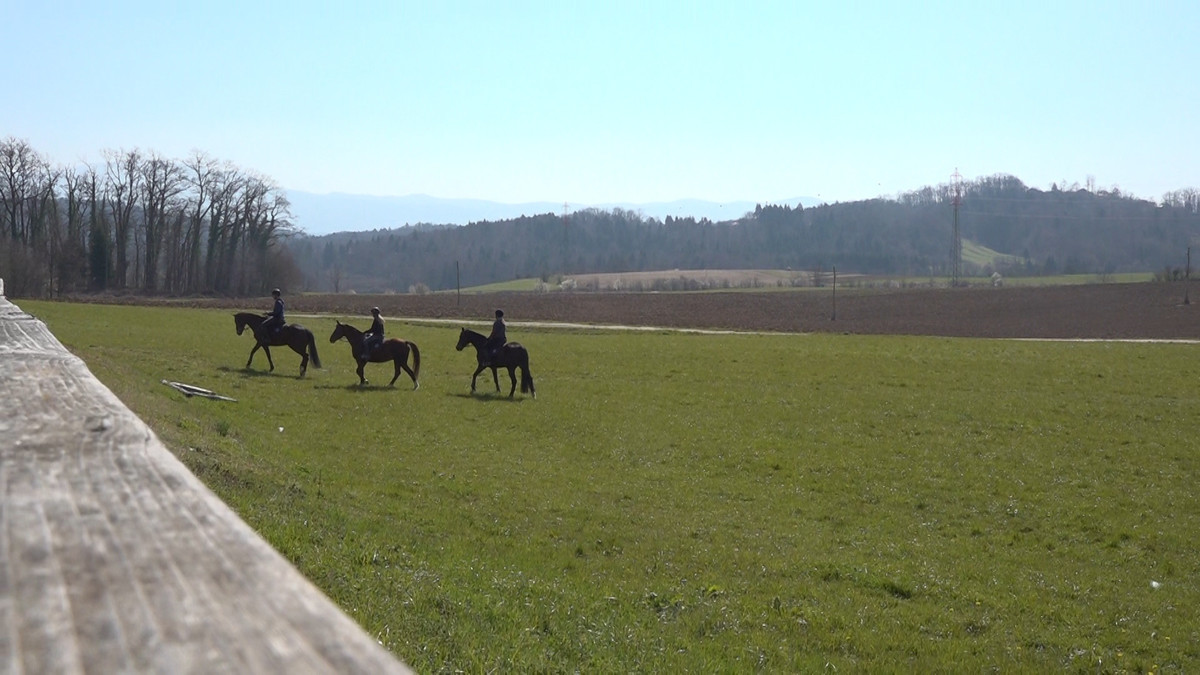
(115,558)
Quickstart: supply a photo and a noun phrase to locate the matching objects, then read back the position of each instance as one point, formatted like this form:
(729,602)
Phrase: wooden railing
(115,558)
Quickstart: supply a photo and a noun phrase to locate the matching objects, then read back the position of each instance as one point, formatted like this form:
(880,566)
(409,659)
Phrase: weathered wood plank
(115,558)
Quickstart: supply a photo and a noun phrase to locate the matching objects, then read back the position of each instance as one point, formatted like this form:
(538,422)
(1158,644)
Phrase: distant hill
(1006,227)
(319,214)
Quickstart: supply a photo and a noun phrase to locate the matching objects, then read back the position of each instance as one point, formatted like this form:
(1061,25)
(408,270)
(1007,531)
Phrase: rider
(374,335)
(274,319)
(497,339)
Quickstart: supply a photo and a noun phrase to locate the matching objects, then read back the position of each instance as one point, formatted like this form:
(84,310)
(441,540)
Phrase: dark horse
(394,350)
(510,356)
(299,338)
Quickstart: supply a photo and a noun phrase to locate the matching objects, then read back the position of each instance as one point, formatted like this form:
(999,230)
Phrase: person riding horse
(275,317)
(374,335)
(498,338)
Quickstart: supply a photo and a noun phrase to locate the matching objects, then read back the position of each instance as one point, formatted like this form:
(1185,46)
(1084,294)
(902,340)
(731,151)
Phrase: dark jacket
(376,329)
(275,317)
(497,338)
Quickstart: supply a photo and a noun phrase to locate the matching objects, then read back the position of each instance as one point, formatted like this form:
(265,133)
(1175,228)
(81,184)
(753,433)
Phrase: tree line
(139,222)
(1061,230)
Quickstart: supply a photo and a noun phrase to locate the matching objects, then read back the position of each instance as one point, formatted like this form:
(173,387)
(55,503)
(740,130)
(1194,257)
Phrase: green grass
(978,254)
(971,253)
(527,284)
(1075,279)
(690,503)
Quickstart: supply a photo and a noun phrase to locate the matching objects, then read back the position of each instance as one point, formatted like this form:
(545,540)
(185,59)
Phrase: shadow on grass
(250,372)
(357,388)
(487,397)
(253,372)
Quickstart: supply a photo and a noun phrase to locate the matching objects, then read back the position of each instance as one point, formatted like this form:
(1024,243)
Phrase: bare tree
(28,212)
(47,228)
(73,243)
(224,186)
(18,176)
(99,238)
(122,191)
(249,196)
(44,228)
(335,277)
(262,217)
(162,181)
(138,220)
(203,177)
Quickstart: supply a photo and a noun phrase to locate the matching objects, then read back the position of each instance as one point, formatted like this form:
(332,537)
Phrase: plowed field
(1096,311)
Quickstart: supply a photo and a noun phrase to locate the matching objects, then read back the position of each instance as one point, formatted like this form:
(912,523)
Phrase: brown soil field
(1095,311)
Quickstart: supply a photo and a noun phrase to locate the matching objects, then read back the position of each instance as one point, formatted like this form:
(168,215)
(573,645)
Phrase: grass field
(782,279)
(688,503)
(978,254)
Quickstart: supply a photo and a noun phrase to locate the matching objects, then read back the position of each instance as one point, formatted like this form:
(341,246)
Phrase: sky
(600,102)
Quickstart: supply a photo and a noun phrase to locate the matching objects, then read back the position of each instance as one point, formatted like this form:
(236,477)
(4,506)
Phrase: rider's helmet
(275,292)
(499,313)
(375,311)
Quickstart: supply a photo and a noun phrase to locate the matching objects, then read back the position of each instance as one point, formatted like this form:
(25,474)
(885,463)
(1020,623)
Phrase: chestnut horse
(393,349)
(299,338)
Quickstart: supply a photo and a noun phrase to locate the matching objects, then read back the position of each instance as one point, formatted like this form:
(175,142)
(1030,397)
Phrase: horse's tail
(312,349)
(416,359)
(526,378)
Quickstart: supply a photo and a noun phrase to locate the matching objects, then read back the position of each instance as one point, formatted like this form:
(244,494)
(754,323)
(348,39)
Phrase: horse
(299,338)
(510,356)
(393,349)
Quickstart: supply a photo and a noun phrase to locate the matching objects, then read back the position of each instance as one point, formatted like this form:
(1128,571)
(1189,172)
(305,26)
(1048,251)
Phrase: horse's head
(463,340)
(237,321)
(338,331)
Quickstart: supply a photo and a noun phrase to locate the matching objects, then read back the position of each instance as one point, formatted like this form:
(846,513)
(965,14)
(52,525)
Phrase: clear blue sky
(618,101)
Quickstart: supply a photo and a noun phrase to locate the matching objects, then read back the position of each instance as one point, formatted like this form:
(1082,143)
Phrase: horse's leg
(254,349)
(477,372)
(362,379)
(402,364)
(496,379)
(512,375)
(396,364)
(299,349)
(267,351)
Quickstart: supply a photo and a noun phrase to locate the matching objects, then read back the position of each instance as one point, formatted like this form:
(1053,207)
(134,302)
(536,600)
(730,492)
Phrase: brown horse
(299,338)
(394,350)
(510,356)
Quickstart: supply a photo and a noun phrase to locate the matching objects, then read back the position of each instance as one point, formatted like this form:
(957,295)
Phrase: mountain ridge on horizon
(321,214)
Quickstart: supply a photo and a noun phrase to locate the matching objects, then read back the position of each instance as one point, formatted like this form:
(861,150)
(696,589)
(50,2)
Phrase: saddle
(492,354)
(370,346)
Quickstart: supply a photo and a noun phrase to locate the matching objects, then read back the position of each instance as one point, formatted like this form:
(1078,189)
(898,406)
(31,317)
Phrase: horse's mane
(249,317)
(350,330)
